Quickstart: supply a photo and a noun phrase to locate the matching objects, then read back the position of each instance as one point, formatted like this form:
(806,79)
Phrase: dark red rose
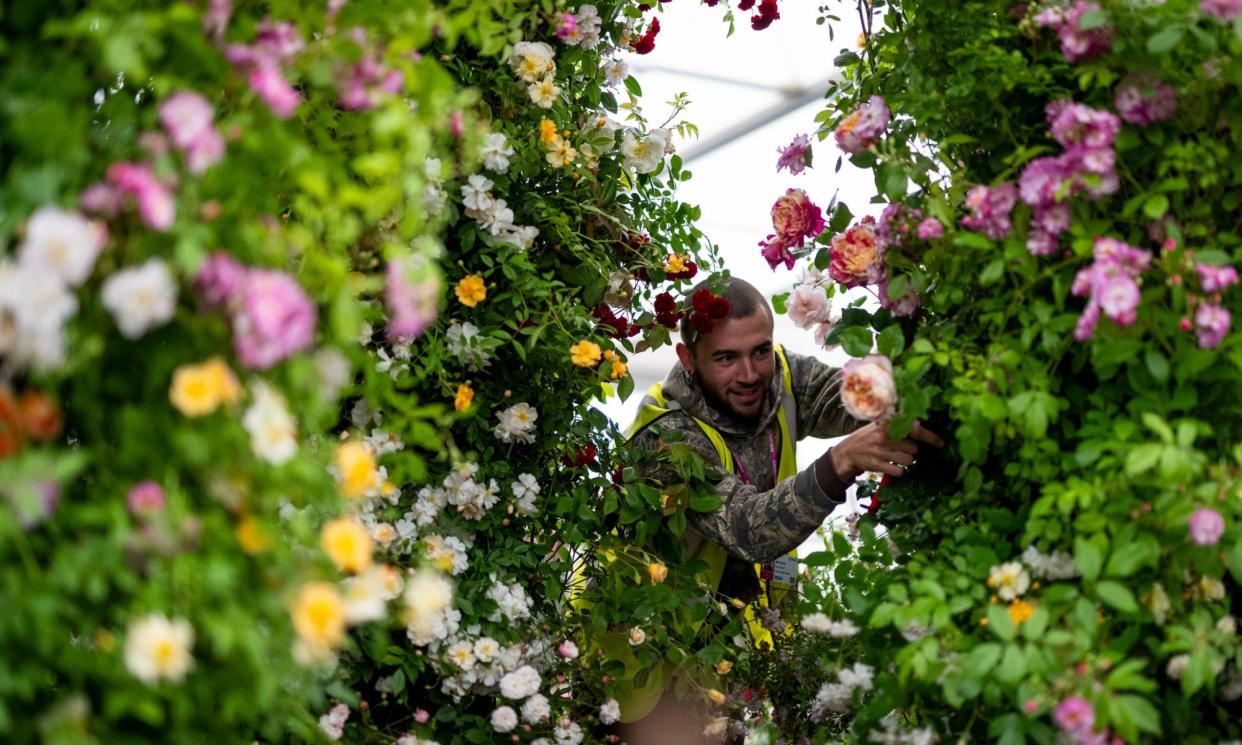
(646,43)
(702,300)
(664,303)
(745,4)
(720,308)
(702,323)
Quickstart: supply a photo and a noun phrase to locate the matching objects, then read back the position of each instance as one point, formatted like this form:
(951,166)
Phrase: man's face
(734,364)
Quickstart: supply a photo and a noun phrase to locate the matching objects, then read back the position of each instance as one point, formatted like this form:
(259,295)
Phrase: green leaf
(625,387)
(705,500)
(1155,206)
(999,622)
(1157,364)
(981,660)
(1117,595)
(856,341)
(1143,458)
(1088,559)
(891,341)
(1128,557)
(1140,712)
(779,303)
(1165,40)
(631,85)
(992,272)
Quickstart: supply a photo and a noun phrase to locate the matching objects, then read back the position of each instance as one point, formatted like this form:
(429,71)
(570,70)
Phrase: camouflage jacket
(761,521)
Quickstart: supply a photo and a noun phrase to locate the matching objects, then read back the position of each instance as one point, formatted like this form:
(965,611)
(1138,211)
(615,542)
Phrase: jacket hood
(688,394)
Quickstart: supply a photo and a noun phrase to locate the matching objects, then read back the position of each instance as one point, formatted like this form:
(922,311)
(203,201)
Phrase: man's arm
(753,525)
(817,394)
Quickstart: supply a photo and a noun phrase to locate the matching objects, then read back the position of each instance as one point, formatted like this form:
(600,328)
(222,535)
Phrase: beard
(716,400)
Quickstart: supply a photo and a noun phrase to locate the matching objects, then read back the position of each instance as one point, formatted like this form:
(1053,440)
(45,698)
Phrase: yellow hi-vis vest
(638,701)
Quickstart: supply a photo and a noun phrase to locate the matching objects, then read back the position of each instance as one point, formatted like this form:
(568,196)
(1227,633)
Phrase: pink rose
(413,301)
(808,305)
(861,129)
(796,217)
(1075,715)
(567,649)
(267,81)
(1206,527)
(146,498)
(186,116)
(155,203)
(857,258)
(274,319)
(867,388)
(1212,323)
(930,229)
(220,278)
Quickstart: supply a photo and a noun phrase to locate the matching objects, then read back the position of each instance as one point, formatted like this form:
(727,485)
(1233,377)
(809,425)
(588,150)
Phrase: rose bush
(301,313)
(1056,271)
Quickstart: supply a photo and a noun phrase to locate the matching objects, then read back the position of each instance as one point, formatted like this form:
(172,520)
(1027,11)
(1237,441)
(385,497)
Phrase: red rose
(796,217)
(720,308)
(664,303)
(702,300)
(701,322)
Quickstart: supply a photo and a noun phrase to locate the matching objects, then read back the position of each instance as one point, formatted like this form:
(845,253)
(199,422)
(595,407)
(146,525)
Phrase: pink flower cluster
(145,498)
(1212,323)
(1076,718)
(857,255)
(861,129)
(187,117)
(412,301)
(1206,526)
(1145,99)
(1222,10)
(1087,165)
(1216,278)
(795,156)
(276,43)
(1110,285)
(796,219)
(367,81)
(990,208)
(271,315)
(1077,43)
(156,206)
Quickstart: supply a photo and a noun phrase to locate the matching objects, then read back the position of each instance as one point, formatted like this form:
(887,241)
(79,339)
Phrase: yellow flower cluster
(359,473)
(585,353)
(348,544)
(319,619)
(676,264)
(560,153)
(198,390)
(471,290)
(619,368)
(464,397)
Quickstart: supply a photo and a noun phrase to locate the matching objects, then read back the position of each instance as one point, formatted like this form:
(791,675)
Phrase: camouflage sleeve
(817,393)
(753,525)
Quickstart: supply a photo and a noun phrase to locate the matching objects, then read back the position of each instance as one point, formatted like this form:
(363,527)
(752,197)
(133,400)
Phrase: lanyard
(772,458)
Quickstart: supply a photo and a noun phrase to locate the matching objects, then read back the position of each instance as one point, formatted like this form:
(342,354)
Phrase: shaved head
(744,301)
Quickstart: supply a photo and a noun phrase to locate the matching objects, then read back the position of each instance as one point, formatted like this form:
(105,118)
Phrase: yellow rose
(348,544)
(675,264)
(1019,611)
(252,536)
(464,397)
(319,616)
(716,696)
(198,390)
(357,468)
(547,132)
(724,667)
(657,572)
(471,291)
(585,353)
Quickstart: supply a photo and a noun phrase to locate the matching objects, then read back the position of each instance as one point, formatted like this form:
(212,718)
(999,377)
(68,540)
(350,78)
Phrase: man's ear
(686,356)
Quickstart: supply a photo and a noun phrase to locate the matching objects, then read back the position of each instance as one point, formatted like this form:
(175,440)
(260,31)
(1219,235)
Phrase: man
(742,403)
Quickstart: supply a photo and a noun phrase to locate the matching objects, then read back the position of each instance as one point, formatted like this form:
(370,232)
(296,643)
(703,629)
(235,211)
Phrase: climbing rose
(859,130)
(795,155)
(274,319)
(795,218)
(1206,527)
(990,208)
(1075,715)
(867,388)
(857,258)
(1211,324)
(1143,100)
(1222,10)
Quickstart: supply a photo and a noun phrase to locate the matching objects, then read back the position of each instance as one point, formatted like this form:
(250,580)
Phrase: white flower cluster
(514,604)
(1009,580)
(493,214)
(585,32)
(818,623)
(430,615)
(36,297)
(395,363)
(521,683)
(483,666)
(567,733)
(140,298)
(837,697)
(517,424)
(610,712)
(434,197)
(158,648)
(1057,565)
(534,62)
(366,595)
(525,490)
(470,349)
(893,734)
(644,153)
(615,72)
(272,429)
(496,152)
(471,498)
(333,723)
(448,553)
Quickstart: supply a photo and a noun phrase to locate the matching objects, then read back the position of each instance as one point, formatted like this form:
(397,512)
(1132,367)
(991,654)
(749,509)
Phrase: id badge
(782,574)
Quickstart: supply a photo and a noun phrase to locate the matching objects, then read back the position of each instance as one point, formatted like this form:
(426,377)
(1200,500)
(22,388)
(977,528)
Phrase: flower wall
(1055,274)
(301,310)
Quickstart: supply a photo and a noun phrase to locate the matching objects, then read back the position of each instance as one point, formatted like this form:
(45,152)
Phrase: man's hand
(869,448)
